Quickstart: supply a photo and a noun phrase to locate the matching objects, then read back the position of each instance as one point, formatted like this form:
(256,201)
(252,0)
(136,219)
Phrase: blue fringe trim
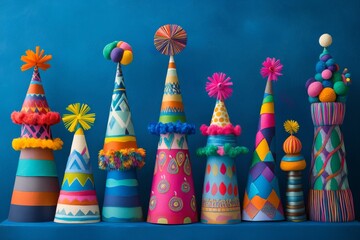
(177,127)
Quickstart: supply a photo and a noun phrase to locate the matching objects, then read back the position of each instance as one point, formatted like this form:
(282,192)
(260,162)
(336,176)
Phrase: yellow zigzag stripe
(81,177)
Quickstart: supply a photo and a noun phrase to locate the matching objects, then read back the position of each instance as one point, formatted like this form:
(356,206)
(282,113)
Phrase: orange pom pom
(35,59)
(327,95)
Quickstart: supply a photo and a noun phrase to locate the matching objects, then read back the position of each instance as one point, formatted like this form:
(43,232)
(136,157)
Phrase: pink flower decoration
(271,68)
(221,151)
(219,86)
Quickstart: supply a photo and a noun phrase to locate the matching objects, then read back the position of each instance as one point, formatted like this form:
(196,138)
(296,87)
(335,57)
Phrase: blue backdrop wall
(229,36)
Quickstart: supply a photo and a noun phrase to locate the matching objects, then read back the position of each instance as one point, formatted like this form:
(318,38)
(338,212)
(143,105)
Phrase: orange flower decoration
(35,59)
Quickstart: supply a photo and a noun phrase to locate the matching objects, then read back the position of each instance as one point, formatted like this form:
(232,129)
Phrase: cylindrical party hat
(262,196)
(172,199)
(36,185)
(77,201)
(120,155)
(293,163)
(220,199)
(330,196)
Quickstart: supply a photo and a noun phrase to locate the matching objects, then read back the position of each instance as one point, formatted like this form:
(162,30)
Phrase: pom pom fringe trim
(22,143)
(217,130)
(49,118)
(123,159)
(178,127)
(227,149)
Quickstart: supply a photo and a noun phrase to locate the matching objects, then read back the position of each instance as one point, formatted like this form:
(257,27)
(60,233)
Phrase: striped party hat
(262,199)
(120,154)
(77,201)
(36,185)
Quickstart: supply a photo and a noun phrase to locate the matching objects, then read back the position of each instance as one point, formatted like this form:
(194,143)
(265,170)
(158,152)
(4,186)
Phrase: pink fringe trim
(49,118)
(216,130)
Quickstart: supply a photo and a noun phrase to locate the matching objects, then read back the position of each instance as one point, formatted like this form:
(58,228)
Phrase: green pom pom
(108,48)
(318,77)
(336,77)
(340,88)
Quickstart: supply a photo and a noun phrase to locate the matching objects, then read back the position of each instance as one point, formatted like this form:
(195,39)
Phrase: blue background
(234,37)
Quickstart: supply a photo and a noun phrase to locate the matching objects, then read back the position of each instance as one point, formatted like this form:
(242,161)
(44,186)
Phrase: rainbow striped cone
(330,197)
(121,156)
(172,199)
(36,186)
(220,198)
(77,201)
(262,199)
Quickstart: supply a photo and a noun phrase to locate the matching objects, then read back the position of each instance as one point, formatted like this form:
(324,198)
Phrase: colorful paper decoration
(262,197)
(220,200)
(36,188)
(77,201)
(120,155)
(293,163)
(172,199)
(330,197)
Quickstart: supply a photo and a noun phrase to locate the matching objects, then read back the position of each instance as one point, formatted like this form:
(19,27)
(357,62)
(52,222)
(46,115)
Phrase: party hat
(220,200)
(77,201)
(120,155)
(262,196)
(293,163)
(172,199)
(36,185)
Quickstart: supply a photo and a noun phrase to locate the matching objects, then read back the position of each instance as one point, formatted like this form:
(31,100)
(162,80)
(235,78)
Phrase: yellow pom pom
(79,117)
(291,126)
(327,95)
(127,57)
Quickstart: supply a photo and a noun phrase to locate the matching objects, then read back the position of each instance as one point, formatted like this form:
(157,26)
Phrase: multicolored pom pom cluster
(119,52)
(328,84)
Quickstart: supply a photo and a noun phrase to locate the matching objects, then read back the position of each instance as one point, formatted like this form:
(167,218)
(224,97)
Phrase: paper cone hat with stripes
(77,201)
(120,154)
(262,196)
(36,185)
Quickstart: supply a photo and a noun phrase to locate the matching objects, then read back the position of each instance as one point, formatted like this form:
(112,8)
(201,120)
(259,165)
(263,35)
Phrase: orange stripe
(37,153)
(34,198)
(119,145)
(36,89)
(172,65)
(77,202)
(172,104)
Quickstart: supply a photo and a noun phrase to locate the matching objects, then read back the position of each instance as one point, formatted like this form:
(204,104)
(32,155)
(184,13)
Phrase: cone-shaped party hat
(220,200)
(293,163)
(262,196)
(172,199)
(36,185)
(77,201)
(120,155)
(330,196)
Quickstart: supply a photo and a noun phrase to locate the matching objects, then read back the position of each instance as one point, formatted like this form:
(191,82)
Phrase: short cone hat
(120,155)
(172,198)
(220,199)
(77,202)
(36,186)
(262,196)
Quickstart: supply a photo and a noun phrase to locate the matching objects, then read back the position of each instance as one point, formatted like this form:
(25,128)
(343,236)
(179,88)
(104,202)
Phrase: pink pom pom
(271,68)
(326,74)
(314,89)
(219,86)
(217,130)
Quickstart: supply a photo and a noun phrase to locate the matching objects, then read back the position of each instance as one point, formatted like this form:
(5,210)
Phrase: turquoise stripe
(85,218)
(122,212)
(34,168)
(292,158)
(125,182)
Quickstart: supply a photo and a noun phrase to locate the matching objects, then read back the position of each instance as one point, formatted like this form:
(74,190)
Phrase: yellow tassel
(291,126)
(79,117)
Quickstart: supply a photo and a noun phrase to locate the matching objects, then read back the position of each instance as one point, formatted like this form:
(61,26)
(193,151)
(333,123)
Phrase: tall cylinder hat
(220,199)
(120,155)
(172,198)
(77,202)
(36,188)
(262,195)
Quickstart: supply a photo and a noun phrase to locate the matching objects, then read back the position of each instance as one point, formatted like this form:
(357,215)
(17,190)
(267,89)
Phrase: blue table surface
(254,230)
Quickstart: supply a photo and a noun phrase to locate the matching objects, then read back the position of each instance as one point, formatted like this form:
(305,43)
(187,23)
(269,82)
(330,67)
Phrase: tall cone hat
(36,186)
(262,196)
(77,202)
(120,155)
(172,198)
